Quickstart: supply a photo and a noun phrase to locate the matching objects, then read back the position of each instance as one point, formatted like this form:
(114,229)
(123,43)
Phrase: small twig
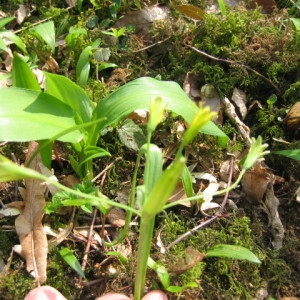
(106,168)
(89,240)
(217,215)
(232,62)
(152,45)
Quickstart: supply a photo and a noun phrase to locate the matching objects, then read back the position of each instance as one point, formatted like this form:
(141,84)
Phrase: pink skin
(50,293)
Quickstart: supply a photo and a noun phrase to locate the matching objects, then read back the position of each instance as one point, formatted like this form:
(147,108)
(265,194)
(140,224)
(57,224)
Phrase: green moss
(16,284)
(219,277)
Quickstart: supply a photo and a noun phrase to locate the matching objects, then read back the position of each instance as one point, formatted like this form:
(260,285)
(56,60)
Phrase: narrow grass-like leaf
(71,260)
(9,171)
(232,251)
(291,153)
(121,257)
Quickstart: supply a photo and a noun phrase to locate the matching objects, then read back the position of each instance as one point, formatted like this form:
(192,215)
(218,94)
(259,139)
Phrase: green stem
(145,240)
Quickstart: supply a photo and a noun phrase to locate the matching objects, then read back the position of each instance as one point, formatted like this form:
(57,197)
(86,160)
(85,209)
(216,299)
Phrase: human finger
(44,293)
(155,295)
(113,296)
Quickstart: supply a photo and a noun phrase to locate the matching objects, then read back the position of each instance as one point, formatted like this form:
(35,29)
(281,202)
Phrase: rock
(292,119)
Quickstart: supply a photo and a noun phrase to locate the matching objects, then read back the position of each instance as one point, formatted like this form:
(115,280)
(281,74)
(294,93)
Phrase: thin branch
(217,215)
(232,62)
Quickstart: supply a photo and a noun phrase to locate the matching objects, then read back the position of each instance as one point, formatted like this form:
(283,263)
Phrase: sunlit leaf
(232,251)
(292,153)
(139,94)
(45,32)
(22,75)
(71,94)
(26,109)
(71,260)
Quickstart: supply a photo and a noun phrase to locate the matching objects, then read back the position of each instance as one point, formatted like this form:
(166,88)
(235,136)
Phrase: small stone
(292,119)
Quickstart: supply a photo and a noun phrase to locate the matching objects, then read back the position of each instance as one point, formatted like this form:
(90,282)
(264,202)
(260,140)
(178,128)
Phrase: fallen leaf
(258,187)
(240,100)
(29,223)
(191,11)
(190,259)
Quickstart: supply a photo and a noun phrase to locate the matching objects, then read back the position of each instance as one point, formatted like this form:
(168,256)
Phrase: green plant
(74,119)
(76,109)
(158,186)
(230,251)
(11,36)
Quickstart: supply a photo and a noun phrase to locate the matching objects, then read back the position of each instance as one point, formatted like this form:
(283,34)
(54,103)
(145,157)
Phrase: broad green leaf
(222,7)
(28,115)
(71,260)
(22,75)
(5,21)
(45,32)
(15,39)
(71,94)
(292,153)
(139,94)
(232,251)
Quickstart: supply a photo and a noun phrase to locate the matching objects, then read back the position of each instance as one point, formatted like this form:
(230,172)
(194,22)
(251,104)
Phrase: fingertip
(113,296)
(155,295)
(44,293)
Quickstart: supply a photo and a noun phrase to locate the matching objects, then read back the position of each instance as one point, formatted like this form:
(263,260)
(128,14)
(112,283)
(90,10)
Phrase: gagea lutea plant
(64,112)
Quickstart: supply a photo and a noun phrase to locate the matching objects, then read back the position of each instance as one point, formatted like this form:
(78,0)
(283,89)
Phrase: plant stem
(146,233)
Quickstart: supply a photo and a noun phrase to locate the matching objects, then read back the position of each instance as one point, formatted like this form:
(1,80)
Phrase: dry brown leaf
(190,259)
(258,187)
(255,182)
(29,224)
(240,99)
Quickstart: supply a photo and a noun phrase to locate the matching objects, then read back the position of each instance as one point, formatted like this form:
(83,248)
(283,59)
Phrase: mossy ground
(265,43)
